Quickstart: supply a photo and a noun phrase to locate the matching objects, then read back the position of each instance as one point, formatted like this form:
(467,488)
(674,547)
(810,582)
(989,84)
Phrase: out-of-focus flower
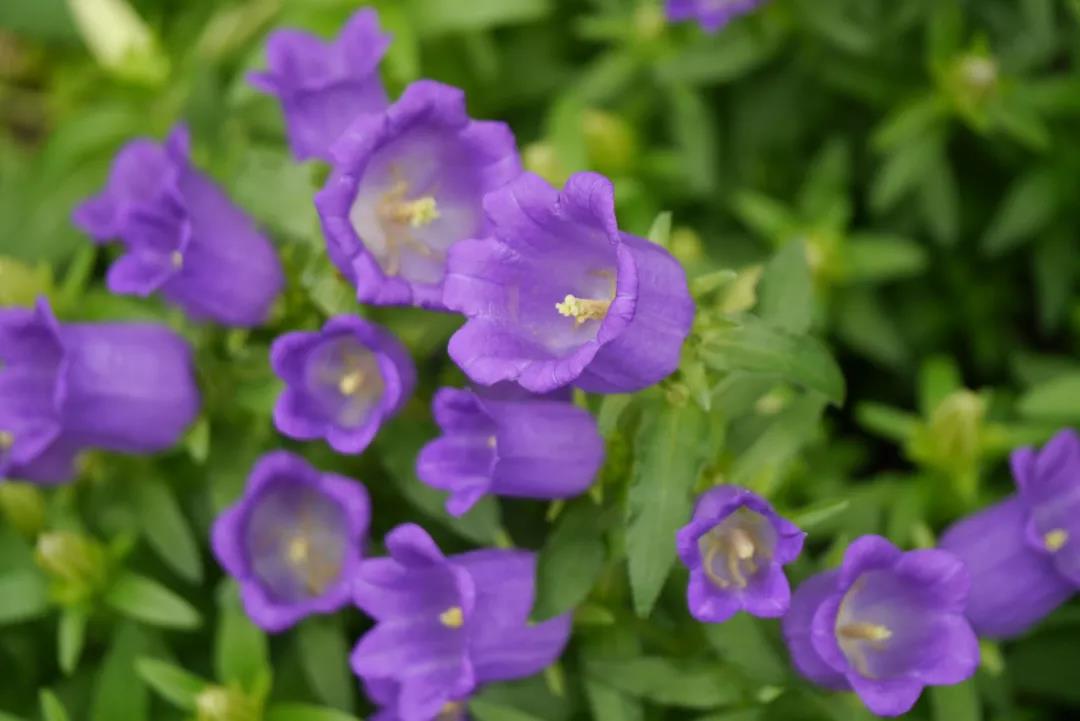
(65,387)
(182,236)
(324,86)
(444,625)
(525,446)
(385,693)
(294,541)
(712,15)
(407,185)
(736,547)
(559,295)
(342,382)
(886,625)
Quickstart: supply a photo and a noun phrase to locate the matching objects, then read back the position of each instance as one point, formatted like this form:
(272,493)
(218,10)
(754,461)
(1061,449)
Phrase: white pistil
(298,550)
(452,617)
(7,440)
(875,633)
(492,441)
(583,309)
(1054,540)
(177,259)
(351,382)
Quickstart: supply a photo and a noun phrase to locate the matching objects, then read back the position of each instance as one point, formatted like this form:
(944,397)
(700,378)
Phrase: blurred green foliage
(873,199)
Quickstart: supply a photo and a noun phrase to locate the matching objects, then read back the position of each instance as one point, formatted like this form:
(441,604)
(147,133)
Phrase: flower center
(1054,541)
(7,440)
(729,557)
(873,632)
(298,550)
(351,382)
(583,309)
(452,617)
(398,215)
(177,259)
(451,711)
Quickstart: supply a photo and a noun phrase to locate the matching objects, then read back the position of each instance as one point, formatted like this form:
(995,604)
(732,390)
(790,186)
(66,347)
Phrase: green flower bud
(119,40)
(77,564)
(218,703)
(23,506)
(951,440)
(541,158)
(610,142)
(972,82)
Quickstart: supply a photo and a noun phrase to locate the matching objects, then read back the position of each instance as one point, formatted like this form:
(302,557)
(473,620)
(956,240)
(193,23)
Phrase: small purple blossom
(293,541)
(65,387)
(342,382)
(323,86)
(445,625)
(559,295)
(712,15)
(182,236)
(525,447)
(887,624)
(385,695)
(408,184)
(736,547)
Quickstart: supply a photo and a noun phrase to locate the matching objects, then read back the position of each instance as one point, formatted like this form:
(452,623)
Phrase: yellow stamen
(415,213)
(583,309)
(452,617)
(351,382)
(450,711)
(743,544)
(299,550)
(177,259)
(872,632)
(1054,540)
(7,440)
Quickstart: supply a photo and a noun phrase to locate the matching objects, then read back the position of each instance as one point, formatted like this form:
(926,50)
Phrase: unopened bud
(23,506)
(76,563)
(218,703)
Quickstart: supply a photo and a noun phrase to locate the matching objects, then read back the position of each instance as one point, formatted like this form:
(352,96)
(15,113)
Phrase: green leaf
(786,293)
(117,695)
(809,517)
(51,708)
(23,596)
(743,644)
(570,561)
(660,232)
(940,201)
(670,451)
(875,258)
(791,429)
(446,16)
(71,637)
(174,684)
(694,129)
(1028,207)
(903,171)
(146,600)
(671,683)
(938,378)
(767,217)
(887,422)
(166,529)
(754,346)
(242,656)
(489,711)
(1054,400)
(956,703)
(324,655)
(305,712)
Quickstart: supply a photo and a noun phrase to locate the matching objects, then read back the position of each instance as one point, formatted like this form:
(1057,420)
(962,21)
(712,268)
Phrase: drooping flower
(887,624)
(293,541)
(559,295)
(444,625)
(407,184)
(65,387)
(182,236)
(342,382)
(525,446)
(712,15)
(736,547)
(323,86)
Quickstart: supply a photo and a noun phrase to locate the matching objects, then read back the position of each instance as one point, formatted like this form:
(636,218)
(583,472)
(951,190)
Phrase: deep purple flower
(736,547)
(559,295)
(407,184)
(342,382)
(444,625)
(324,86)
(712,15)
(182,236)
(1049,484)
(293,541)
(527,447)
(128,388)
(888,624)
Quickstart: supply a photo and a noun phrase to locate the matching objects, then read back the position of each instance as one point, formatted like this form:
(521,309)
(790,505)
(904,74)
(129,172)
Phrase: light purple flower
(444,625)
(798,625)
(182,236)
(736,547)
(891,624)
(407,185)
(559,295)
(342,382)
(65,387)
(293,541)
(712,15)
(525,447)
(323,86)
(385,695)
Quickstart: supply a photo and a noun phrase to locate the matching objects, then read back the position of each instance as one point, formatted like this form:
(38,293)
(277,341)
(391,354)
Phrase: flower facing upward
(324,86)
(711,14)
(525,446)
(342,382)
(444,625)
(886,625)
(406,185)
(735,547)
(182,236)
(68,386)
(293,541)
(558,295)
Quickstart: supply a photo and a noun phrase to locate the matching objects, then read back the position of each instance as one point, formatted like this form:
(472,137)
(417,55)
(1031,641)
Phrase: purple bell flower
(525,447)
(342,382)
(128,388)
(559,295)
(445,625)
(408,184)
(293,541)
(712,15)
(736,547)
(182,236)
(385,695)
(324,86)
(887,624)
(1049,484)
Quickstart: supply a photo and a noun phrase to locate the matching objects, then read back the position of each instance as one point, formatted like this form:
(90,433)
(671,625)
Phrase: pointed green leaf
(686,684)
(570,561)
(241,653)
(1054,400)
(324,654)
(305,712)
(71,637)
(875,257)
(146,600)
(166,529)
(23,596)
(117,694)
(786,293)
(956,703)
(51,708)
(174,684)
(1028,207)
(742,642)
